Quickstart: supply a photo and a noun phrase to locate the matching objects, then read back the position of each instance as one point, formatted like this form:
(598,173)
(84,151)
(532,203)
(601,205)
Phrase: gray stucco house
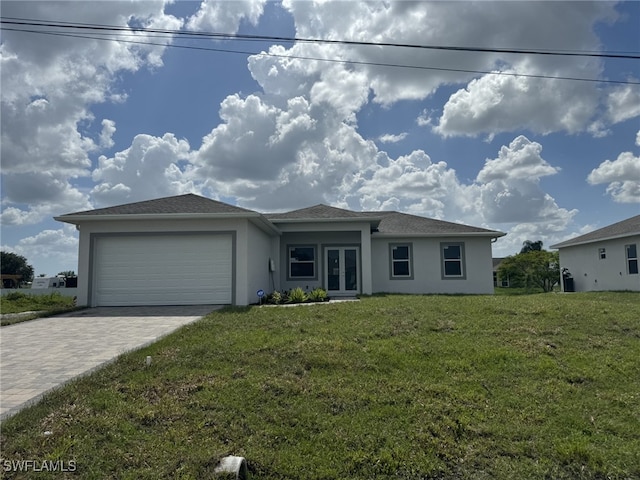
(605,259)
(189,249)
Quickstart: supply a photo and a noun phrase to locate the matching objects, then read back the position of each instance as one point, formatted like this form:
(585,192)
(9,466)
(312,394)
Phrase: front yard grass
(46,304)
(402,387)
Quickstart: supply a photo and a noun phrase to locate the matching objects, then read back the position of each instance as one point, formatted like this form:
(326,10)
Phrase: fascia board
(438,235)
(265,225)
(75,219)
(259,220)
(327,220)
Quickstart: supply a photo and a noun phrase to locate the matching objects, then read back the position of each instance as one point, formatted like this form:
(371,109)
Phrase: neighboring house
(605,259)
(189,249)
(499,281)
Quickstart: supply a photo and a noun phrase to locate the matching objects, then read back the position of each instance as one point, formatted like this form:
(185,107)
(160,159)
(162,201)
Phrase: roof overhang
(569,243)
(438,235)
(371,220)
(256,218)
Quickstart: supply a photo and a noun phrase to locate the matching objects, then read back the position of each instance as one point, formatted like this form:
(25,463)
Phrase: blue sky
(89,123)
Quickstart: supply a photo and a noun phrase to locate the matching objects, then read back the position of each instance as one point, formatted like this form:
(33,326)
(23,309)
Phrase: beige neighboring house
(605,259)
(189,249)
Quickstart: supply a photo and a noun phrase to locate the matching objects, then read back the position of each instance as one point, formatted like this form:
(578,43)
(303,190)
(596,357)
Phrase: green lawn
(25,301)
(403,387)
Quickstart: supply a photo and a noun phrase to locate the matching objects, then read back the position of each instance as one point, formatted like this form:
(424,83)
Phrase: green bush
(297,295)
(275,298)
(318,295)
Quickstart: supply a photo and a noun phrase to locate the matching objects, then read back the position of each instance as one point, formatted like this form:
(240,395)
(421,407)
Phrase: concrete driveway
(39,355)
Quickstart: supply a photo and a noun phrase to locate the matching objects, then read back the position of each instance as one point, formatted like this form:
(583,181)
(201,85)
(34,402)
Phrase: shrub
(297,295)
(318,295)
(275,298)
(15,296)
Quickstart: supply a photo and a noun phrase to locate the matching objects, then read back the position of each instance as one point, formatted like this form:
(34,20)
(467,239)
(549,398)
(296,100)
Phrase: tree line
(533,267)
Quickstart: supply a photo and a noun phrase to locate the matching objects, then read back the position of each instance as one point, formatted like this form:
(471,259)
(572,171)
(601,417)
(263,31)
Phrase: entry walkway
(39,355)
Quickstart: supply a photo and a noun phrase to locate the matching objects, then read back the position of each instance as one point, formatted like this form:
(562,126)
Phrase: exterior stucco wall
(259,251)
(118,227)
(591,273)
(427,266)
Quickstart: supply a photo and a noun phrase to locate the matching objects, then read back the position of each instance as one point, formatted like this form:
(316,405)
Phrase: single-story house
(189,249)
(605,259)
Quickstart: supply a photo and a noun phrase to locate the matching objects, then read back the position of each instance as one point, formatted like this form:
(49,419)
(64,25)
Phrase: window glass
(452,260)
(632,259)
(400,261)
(401,269)
(453,269)
(302,262)
(302,270)
(451,252)
(401,252)
(302,254)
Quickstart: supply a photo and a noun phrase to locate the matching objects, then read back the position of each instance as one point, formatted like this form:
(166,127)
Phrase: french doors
(342,276)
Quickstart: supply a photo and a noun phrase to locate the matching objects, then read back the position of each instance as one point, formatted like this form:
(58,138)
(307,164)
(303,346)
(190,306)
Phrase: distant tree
(535,268)
(42,275)
(67,273)
(14,264)
(529,246)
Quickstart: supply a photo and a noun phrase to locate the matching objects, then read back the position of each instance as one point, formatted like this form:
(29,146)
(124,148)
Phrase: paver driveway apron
(39,355)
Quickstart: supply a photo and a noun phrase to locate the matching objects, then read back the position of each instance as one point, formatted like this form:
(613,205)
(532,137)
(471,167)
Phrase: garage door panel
(163,270)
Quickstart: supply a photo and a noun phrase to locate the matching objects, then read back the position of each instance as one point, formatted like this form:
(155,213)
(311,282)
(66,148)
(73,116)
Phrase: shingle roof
(189,203)
(313,213)
(404,223)
(392,223)
(625,228)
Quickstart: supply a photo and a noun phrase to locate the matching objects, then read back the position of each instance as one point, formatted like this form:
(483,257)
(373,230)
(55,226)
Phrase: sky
(484,137)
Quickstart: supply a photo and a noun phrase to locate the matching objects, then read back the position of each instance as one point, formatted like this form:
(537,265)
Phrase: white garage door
(162,270)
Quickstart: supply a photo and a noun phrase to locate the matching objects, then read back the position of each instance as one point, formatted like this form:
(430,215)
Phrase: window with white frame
(302,261)
(452,255)
(401,260)
(602,253)
(632,258)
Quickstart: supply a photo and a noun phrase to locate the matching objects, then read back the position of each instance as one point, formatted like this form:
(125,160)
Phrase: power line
(236,36)
(131,32)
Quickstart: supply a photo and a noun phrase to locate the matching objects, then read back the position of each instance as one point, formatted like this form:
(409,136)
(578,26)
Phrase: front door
(341,270)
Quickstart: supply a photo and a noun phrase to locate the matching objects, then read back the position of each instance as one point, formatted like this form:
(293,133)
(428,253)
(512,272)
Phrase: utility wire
(349,62)
(227,36)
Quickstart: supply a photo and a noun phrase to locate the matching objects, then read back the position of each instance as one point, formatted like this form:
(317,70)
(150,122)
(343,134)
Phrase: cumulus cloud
(149,168)
(510,190)
(225,17)
(32,197)
(391,138)
(61,244)
(520,160)
(256,139)
(489,103)
(49,84)
(505,192)
(108,129)
(623,103)
(499,103)
(622,176)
